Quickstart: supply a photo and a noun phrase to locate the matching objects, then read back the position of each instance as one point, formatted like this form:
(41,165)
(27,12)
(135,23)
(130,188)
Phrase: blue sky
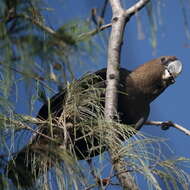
(174,103)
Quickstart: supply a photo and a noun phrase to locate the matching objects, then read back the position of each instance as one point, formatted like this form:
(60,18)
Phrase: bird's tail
(24,168)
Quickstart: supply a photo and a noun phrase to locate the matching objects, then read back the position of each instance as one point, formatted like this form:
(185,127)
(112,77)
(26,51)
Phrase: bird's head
(153,77)
(172,69)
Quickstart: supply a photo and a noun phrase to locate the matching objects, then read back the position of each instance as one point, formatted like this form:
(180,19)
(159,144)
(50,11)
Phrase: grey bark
(119,20)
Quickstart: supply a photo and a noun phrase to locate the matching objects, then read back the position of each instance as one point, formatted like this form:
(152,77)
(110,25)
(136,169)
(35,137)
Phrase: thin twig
(40,24)
(102,14)
(93,32)
(98,21)
(168,124)
(24,126)
(36,78)
(54,33)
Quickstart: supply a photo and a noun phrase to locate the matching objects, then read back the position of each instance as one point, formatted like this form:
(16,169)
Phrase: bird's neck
(143,88)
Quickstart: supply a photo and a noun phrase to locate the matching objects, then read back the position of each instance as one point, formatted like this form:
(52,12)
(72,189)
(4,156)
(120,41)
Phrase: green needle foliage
(54,156)
(35,60)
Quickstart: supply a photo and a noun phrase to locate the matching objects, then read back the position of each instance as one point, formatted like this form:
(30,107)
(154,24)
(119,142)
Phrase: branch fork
(119,20)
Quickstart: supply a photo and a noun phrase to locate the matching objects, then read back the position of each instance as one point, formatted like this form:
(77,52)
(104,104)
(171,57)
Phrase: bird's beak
(174,68)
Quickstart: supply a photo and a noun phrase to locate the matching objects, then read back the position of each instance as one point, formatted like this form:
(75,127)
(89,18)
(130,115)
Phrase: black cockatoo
(136,90)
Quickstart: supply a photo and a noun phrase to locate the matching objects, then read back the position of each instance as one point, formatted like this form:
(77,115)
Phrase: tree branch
(102,14)
(167,124)
(54,33)
(119,20)
(136,7)
(114,49)
(93,32)
(40,25)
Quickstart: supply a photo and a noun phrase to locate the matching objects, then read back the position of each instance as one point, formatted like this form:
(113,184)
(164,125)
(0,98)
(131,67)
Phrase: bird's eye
(163,59)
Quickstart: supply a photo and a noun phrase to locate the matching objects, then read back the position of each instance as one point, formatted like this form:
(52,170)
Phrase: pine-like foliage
(36,60)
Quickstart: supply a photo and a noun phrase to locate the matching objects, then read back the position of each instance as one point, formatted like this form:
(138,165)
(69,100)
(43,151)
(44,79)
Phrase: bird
(136,90)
